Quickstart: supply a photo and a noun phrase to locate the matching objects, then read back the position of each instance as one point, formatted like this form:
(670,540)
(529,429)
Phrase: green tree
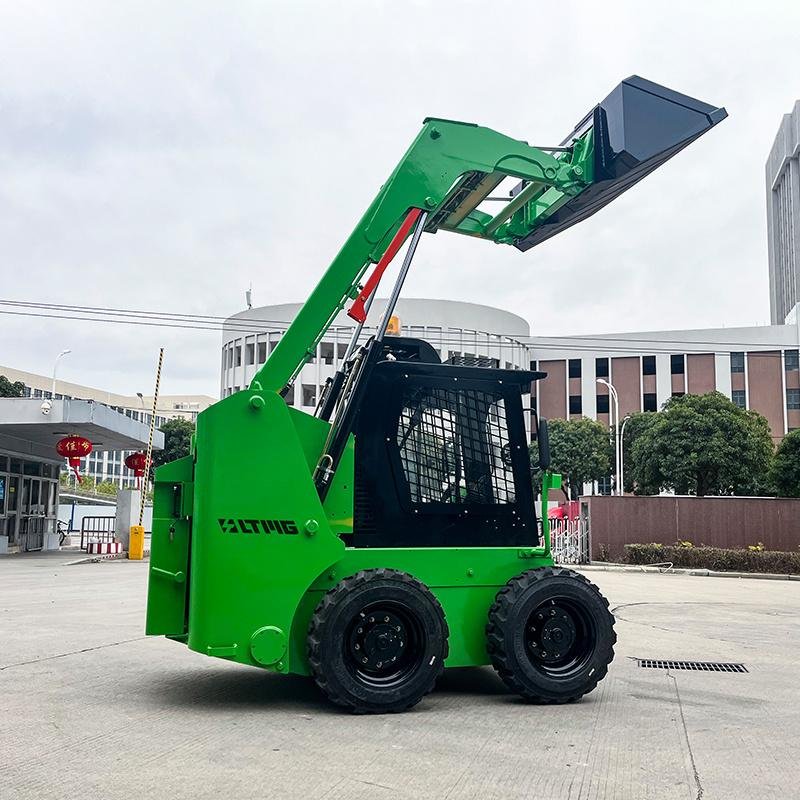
(8,389)
(785,472)
(635,426)
(177,438)
(580,450)
(703,445)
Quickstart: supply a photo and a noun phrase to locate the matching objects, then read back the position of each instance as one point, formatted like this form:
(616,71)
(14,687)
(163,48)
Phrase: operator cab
(441,453)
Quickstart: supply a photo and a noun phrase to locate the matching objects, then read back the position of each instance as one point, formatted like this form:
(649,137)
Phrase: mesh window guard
(454,446)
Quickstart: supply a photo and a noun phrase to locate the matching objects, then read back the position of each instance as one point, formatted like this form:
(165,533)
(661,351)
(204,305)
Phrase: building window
(309,395)
(326,352)
(793,398)
(575,404)
(238,350)
(649,402)
(737,362)
(262,352)
(251,353)
(574,368)
(602,404)
(601,367)
(678,394)
(739,398)
(791,360)
(648,365)
(677,364)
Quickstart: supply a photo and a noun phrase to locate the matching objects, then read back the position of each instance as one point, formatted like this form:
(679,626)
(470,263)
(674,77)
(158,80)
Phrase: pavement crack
(697,782)
(71,653)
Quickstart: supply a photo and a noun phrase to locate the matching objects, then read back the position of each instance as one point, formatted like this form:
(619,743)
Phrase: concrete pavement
(90,708)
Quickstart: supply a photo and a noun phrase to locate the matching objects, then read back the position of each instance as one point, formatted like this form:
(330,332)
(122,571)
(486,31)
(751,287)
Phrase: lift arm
(452,167)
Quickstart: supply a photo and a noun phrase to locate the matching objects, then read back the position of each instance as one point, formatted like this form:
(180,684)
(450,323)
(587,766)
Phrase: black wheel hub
(378,640)
(559,637)
(384,645)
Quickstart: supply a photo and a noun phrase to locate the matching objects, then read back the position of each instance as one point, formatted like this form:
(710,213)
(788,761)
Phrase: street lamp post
(55,367)
(622,453)
(615,398)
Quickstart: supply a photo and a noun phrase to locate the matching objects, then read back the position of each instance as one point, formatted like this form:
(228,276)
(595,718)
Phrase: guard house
(30,465)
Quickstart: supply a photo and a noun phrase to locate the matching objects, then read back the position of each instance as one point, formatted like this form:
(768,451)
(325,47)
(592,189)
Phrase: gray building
(30,465)
(469,331)
(783,217)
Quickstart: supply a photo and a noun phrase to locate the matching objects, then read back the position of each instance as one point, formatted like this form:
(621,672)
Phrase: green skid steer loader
(393,532)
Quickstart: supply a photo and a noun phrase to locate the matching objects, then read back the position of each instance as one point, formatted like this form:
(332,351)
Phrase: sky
(165,156)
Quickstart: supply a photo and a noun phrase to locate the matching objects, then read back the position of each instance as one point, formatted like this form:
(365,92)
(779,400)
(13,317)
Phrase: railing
(97,529)
(569,540)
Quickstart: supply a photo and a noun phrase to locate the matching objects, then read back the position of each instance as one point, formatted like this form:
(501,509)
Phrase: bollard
(136,543)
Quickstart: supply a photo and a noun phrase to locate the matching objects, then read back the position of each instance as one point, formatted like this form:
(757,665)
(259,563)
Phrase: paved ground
(89,708)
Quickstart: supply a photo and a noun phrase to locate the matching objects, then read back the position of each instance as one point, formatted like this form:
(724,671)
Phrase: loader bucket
(636,129)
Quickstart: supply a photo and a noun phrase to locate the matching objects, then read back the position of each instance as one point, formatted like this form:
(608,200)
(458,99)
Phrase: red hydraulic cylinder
(358,310)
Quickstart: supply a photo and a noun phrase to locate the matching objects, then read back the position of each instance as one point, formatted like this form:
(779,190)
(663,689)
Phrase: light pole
(622,453)
(615,398)
(55,367)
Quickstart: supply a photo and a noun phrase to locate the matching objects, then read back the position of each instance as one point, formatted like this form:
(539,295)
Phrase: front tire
(377,642)
(550,635)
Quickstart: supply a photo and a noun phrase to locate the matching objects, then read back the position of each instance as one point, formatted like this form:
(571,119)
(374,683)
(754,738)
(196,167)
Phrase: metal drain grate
(697,666)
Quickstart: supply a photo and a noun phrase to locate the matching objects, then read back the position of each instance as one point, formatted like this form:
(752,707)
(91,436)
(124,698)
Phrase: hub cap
(384,645)
(560,637)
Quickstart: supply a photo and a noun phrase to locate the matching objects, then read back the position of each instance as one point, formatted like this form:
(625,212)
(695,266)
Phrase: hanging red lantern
(138,463)
(74,448)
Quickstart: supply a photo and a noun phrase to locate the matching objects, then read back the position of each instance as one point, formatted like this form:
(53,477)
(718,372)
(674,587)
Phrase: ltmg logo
(280,526)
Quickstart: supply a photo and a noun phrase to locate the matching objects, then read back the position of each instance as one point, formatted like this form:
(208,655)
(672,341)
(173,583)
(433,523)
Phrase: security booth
(30,431)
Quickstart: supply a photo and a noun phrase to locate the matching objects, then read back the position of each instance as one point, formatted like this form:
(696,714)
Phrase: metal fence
(569,540)
(97,529)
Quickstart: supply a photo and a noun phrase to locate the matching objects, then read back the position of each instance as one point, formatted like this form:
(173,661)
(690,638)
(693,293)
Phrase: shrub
(603,553)
(715,558)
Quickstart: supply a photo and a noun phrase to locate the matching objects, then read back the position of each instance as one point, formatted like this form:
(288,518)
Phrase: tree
(580,450)
(177,439)
(8,389)
(785,472)
(703,445)
(636,425)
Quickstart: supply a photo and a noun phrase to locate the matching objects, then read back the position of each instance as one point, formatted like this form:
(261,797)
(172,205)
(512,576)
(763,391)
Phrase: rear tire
(550,635)
(377,642)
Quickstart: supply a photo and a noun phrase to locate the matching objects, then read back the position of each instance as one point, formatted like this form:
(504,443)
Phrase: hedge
(715,558)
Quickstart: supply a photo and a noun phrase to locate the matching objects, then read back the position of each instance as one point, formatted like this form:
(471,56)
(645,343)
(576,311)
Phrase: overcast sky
(165,155)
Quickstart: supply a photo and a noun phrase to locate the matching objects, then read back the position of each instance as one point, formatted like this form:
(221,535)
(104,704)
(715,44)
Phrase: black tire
(377,642)
(550,635)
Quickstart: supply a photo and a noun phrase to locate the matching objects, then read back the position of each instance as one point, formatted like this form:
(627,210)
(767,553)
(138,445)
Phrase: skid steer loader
(393,532)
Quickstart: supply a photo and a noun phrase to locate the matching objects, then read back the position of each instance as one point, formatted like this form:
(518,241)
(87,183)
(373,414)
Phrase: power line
(182,321)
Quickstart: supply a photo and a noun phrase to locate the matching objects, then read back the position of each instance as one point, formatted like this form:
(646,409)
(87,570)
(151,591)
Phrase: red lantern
(138,463)
(74,448)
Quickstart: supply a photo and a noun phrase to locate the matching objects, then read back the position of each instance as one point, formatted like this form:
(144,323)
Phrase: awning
(25,429)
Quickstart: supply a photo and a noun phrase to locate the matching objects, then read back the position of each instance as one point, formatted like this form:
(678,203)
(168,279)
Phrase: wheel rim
(384,645)
(560,637)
